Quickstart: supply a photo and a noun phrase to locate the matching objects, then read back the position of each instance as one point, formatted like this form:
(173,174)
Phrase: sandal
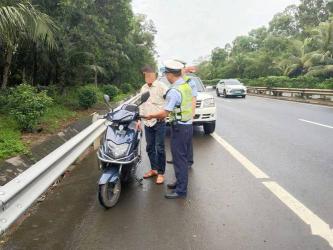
(149,174)
(160,179)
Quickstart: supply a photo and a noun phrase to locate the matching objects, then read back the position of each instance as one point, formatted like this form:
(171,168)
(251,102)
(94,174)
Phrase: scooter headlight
(117,151)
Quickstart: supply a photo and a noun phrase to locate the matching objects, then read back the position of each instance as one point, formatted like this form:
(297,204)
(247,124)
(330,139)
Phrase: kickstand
(138,179)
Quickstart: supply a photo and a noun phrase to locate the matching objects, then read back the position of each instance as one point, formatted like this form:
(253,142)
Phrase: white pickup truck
(205,112)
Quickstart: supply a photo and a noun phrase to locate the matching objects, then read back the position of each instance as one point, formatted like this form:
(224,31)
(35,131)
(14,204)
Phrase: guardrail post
(3,206)
(269,91)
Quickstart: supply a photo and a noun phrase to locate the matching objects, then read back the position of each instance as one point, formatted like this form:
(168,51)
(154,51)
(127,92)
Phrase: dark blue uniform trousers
(181,139)
(190,153)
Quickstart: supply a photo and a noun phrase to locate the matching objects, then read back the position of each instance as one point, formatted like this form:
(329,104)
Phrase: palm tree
(322,57)
(19,23)
(322,36)
(97,70)
(299,61)
(238,63)
(83,56)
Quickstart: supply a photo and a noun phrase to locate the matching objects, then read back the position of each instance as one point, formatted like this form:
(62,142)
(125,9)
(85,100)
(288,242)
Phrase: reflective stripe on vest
(183,112)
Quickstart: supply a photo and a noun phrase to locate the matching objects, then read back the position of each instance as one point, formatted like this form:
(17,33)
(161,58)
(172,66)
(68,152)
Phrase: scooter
(120,152)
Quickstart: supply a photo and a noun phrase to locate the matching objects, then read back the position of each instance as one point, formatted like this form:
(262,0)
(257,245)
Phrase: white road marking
(318,226)
(316,123)
(256,172)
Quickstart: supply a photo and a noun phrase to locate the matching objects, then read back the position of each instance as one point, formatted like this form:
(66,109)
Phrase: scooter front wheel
(109,193)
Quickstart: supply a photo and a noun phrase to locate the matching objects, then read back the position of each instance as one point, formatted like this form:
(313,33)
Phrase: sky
(189,29)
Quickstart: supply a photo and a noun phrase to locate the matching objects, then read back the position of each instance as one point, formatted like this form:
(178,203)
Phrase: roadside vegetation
(294,50)
(58,58)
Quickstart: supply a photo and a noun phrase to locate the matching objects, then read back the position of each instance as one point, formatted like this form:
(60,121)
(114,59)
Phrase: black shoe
(174,196)
(170,162)
(172,186)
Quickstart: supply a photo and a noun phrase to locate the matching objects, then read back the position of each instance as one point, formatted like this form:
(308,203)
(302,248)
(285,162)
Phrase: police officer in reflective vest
(179,108)
(193,85)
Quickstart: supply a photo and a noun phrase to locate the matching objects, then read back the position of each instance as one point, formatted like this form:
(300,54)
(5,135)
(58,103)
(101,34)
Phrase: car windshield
(197,81)
(232,82)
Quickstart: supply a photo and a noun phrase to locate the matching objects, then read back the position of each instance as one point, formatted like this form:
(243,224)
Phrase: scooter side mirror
(144,97)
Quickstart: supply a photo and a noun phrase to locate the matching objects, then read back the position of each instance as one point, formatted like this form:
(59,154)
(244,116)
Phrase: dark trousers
(190,160)
(181,139)
(155,146)
(190,151)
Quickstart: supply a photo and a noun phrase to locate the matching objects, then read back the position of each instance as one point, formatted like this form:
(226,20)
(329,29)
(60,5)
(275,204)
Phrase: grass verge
(57,117)
(10,138)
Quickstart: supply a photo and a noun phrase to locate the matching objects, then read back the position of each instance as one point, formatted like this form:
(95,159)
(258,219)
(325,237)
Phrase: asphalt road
(263,181)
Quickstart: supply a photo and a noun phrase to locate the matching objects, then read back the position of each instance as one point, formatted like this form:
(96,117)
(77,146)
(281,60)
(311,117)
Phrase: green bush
(126,88)
(327,84)
(211,82)
(87,96)
(111,91)
(52,91)
(307,82)
(27,105)
(137,85)
(69,97)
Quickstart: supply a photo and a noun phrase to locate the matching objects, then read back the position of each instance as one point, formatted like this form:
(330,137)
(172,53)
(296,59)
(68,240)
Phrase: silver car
(230,87)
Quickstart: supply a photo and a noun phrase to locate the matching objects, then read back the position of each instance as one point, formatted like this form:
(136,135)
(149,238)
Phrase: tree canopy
(69,42)
(297,42)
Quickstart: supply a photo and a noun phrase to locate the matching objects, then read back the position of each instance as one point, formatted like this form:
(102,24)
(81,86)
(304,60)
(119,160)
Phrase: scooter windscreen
(121,116)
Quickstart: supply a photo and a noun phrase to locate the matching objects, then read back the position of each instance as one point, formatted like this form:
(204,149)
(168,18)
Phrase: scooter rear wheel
(109,193)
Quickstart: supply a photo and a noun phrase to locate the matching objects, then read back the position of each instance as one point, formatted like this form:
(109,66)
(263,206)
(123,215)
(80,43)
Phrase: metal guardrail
(326,94)
(21,192)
